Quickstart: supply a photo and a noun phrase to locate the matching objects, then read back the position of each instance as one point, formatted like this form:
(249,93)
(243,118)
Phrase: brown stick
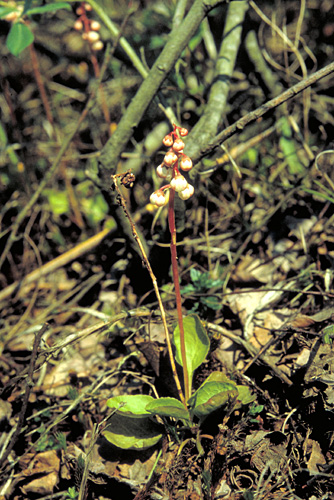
(29,385)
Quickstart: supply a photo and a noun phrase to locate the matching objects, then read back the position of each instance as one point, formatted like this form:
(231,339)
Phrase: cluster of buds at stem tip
(89,27)
(174,161)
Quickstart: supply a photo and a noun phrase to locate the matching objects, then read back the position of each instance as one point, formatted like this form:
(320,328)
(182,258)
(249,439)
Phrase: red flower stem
(173,251)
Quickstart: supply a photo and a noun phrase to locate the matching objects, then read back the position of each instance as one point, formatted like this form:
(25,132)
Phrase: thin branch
(212,117)
(29,385)
(262,110)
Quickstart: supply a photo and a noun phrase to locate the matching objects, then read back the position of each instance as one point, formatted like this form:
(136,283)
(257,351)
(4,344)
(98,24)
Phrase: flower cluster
(89,27)
(169,169)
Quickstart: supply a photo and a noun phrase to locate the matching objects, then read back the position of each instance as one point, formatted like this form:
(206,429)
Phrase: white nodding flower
(178,145)
(159,199)
(186,164)
(92,36)
(97,45)
(170,158)
(95,25)
(163,172)
(168,141)
(179,183)
(187,192)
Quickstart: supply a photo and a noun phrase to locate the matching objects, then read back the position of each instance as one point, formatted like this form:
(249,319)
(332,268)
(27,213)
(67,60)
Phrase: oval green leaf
(168,407)
(197,343)
(19,37)
(211,396)
(132,434)
(133,406)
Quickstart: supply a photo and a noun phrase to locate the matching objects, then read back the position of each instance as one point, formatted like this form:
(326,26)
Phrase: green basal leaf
(168,407)
(19,37)
(51,7)
(196,341)
(132,433)
(211,396)
(133,406)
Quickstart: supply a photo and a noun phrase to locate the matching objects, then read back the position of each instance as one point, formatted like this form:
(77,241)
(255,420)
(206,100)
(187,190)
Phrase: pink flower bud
(179,183)
(158,198)
(97,45)
(186,164)
(183,132)
(93,36)
(187,192)
(170,158)
(178,145)
(95,25)
(78,25)
(167,141)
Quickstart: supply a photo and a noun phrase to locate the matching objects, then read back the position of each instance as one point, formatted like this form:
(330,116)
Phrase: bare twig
(29,385)
(262,110)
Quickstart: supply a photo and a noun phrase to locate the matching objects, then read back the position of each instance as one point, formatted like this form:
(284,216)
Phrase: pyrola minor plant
(134,424)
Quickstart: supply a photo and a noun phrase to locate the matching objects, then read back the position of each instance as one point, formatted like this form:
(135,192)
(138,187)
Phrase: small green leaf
(168,407)
(244,395)
(195,274)
(51,7)
(132,433)
(196,341)
(19,37)
(327,334)
(133,406)
(58,201)
(211,302)
(211,396)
